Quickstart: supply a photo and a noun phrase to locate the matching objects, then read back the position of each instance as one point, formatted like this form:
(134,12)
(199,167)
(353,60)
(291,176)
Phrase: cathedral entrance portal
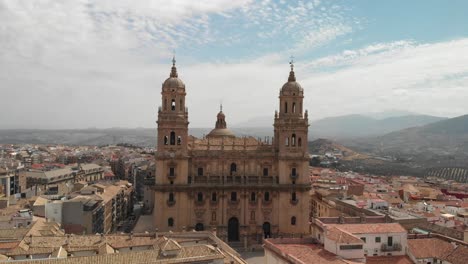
(233,229)
(266,230)
(199,227)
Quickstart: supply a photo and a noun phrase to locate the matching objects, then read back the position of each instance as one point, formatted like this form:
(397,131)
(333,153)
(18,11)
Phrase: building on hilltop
(244,187)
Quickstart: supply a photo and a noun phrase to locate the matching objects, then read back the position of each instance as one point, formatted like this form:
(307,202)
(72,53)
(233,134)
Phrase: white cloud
(75,64)
(428,78)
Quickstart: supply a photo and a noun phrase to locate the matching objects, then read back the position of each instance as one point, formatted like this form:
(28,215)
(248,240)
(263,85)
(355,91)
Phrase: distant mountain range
(357,126)
(445,137)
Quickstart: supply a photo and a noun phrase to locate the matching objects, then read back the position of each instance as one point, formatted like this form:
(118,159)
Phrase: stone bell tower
(290,144)
(172,154)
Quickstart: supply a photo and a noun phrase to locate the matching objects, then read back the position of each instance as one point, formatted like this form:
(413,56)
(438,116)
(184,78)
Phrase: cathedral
(244,188)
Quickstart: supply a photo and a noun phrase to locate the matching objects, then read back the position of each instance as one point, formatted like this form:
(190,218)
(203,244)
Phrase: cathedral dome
(292,85)
(173,81)
(221,129)
(221,132)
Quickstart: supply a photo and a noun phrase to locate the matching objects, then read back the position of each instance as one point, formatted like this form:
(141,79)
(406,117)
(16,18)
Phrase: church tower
(172,153)
(290,145)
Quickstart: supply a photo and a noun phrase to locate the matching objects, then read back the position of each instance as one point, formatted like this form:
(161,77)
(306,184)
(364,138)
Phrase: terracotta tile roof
(371,228)
(309,253)
(341,236)
(13,234)
(389,260)
(429,248)
(199,253)
(458,255)
(8,245)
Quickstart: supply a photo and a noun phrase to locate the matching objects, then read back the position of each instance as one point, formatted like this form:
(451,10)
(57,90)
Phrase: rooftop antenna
(291,62)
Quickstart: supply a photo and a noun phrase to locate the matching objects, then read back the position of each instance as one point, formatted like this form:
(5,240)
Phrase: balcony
(293,176)
(234,180)
(214,180)
(387,248)
(170,203)
(266,203)
(267,180)
(233,202)
(201,179)
(171,176)
(199,203)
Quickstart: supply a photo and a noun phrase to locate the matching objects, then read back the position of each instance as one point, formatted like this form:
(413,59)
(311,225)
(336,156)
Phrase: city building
(246,188)
(60,181)
(43,244)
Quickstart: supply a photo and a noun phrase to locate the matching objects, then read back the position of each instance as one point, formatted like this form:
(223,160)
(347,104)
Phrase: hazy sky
(86,63)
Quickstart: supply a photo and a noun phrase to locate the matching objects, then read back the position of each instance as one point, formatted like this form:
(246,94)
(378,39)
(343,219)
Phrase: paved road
(255,257)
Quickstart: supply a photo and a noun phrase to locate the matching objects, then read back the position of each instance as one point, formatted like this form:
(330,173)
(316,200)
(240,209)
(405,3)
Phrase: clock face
(171,154)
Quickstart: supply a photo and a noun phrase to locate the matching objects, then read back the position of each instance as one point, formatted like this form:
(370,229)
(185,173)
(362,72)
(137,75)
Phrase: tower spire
(292,77)
(174,69)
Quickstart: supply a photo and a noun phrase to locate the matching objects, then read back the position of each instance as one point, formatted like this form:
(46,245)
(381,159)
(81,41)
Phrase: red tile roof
(342,237)
(8,245)
(429,248)
(389,260)
(458,256)
(309,253)
(371,228)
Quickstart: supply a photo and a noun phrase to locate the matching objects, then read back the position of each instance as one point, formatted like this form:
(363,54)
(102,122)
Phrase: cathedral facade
(243,187)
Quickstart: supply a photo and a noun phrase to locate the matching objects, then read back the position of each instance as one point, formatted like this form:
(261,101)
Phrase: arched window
(213,216)
(293,140)
(253,196)
(299,142)
(285,107)
(267,196)
(213,197)
(170,222)
(172,141)
(293,196)
(173,105)
(233,196)
(200,197)
(293,220)
(252,215)
(171,197)
(233,168)
(287,141)
(294,108)
(200,172)
(179,140)
(166,140)
(181,105)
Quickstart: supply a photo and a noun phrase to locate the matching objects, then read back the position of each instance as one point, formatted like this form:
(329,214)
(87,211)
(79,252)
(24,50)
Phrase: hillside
(356,126)
(439,141)
(322,146)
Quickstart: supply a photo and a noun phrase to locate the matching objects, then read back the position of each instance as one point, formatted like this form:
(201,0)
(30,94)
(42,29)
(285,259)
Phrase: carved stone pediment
(233,212)
(266,214)
(199,213)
